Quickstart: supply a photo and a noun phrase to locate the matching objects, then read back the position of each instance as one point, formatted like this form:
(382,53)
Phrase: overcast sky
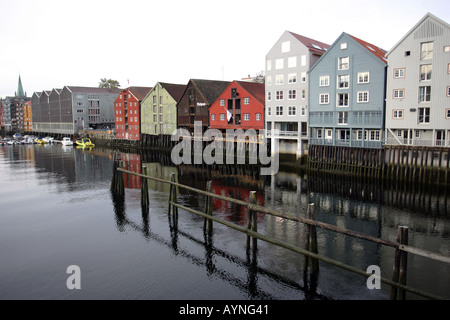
(53,43)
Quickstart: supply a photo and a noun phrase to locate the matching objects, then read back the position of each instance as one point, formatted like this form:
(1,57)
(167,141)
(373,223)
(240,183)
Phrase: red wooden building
(239,106)
(127,112)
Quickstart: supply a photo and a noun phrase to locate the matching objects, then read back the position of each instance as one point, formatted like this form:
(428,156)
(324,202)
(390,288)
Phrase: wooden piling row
(311,245)
(252,222)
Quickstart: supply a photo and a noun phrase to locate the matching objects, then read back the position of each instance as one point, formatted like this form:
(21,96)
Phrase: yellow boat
(85,143)
(40,141)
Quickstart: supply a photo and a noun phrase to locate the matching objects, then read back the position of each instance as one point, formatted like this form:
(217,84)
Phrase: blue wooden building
(347,95)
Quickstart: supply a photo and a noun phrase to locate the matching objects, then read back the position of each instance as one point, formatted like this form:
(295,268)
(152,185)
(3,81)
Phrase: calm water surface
(56,210)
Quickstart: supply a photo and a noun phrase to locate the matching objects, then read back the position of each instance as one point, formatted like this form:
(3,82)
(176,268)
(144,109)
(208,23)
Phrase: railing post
(400,264)
(173,197)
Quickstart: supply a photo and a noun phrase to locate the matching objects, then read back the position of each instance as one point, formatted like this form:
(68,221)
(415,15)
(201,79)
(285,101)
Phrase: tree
(108,83)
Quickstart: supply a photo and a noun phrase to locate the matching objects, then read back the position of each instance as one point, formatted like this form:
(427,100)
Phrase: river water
(57,210)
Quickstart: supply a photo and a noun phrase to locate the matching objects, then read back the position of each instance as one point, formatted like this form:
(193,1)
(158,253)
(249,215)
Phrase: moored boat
(39,140)
(66,141)
(85,143)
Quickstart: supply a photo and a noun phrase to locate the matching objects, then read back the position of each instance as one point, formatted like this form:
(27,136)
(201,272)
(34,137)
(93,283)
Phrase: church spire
(20,92)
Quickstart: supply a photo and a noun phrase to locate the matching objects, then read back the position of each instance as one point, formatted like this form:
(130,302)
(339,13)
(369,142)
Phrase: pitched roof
(313,45)
(427,16)
(92,90)
(257,90)
(210,89)
(175,90)
(139,92)
(376,51)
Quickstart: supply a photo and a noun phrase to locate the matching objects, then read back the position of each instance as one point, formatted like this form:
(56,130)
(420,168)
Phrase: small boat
(40,141)
(66,141)
(85,143)
(48,139)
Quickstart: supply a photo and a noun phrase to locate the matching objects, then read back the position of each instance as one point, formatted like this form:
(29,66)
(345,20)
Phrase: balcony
(286,134)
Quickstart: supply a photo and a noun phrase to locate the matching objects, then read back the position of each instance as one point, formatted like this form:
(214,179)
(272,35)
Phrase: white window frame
(279,111)
(292,111)
(342,65)
(292,94)
(398,93)
(222,117)
(279,95)
(364,76)
(285,46)
(292,78)
(324,98)
(279,64)
(397,114)
(342,118)
(338,100)
(246,100)
(324,81)
(292,62)
(213,117)
(399,73)
(340,82)
(279,79)
(246,116)
(362,97)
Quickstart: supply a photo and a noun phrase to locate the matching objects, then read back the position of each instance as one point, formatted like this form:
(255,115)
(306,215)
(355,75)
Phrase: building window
(285,46)
(279,95)
(269,65)
(292,62)
(446,48)
(425,72)
(363,96)
(324,98)
(222,117)
(303,111)
(279,110)
(292,78)
(343,63)
(279,64)
(342,100)
(292,94)
(213,117)
(269,96)
(343,117)
(303,94)
(303,60)
(397,114)
(448,91)
(343,81)
(374,135)
(363,77)
(324,81)
(319,133)
(343,45)
(258,117)
(424,115)
(426,51)
(246,116)
(269,80)
(279,79)
(399,93)
(269,111)
(425,94)
(292,111)
(303,77)
(222,102)
(399,73)
(246,100)
(329,133)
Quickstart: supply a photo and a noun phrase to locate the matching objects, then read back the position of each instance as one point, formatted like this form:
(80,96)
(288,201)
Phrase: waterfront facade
(159,109)
(127,112)
(27,117)
(287,64)
(195,101)
(78,108)
(418,86)
(240,106)
(11,110)
(346,98)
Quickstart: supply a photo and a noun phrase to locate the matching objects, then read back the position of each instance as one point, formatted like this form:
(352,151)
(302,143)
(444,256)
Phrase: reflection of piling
(208,223)
(117,182)
(173,198)
(144,190)
(252,223)
(311,245)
